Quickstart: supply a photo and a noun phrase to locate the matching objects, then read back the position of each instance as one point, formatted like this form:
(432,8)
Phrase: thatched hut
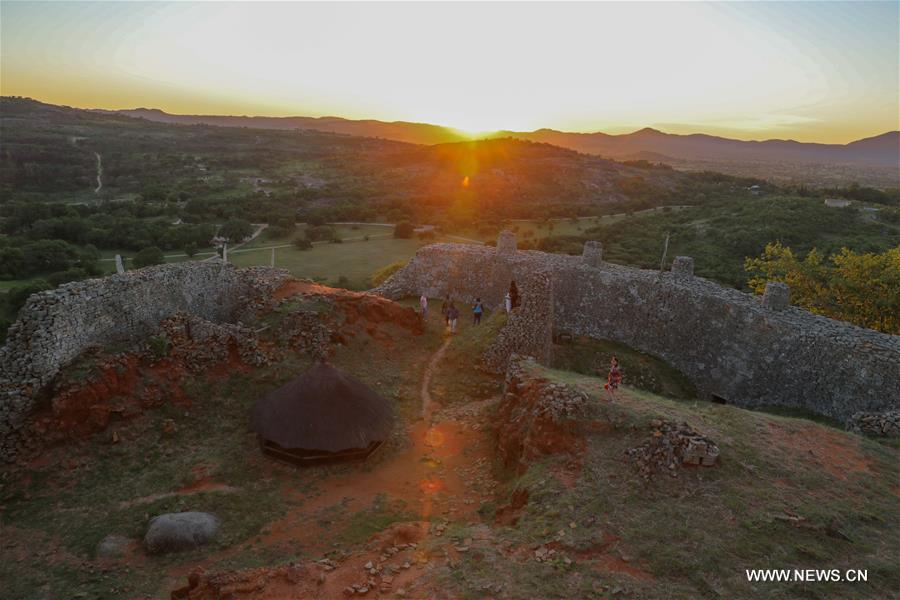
(322,416)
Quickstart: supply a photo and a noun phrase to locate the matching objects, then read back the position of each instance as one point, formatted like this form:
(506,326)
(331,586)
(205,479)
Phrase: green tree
(235,230)
(302,243)
(148,256)
(190,249)
(403,230)
(863,289)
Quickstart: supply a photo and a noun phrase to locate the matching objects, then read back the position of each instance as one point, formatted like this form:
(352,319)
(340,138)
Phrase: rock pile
(886,424)
(260,284)
(536,416)
(670,446)
(307,332)
(198,344)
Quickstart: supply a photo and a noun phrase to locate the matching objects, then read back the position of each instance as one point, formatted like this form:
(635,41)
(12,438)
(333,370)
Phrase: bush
(302,243)
(17,296)
(61,277)
(342,282)
(190,249)
(159,346)
(381,275)
(148,256)
(236,230)
(403,230)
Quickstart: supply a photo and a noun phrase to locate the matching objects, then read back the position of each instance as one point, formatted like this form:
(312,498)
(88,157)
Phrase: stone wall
(730,344)
(529,330)
(56,326)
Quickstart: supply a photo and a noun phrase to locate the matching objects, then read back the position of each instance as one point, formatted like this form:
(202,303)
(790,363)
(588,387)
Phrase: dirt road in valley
(99,173)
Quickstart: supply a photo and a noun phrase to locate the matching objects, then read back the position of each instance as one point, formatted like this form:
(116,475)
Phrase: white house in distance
(836,202)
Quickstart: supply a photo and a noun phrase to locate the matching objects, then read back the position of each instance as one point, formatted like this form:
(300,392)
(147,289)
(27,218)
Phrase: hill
(871,161)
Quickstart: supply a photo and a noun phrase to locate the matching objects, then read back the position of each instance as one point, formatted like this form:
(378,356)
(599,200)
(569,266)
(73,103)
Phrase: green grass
(328,262)
(696,533)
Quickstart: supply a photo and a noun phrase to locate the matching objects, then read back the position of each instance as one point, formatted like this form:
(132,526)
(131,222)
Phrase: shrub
(403,230)
(16,297)
(190,249)
(61,277)
(343,282)
(148,256)
(159,346)
(302,243)
(235,230)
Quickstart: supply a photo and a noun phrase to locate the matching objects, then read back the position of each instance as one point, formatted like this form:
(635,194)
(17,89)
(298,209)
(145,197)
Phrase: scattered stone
(885,424)
(672,445)
(112,546)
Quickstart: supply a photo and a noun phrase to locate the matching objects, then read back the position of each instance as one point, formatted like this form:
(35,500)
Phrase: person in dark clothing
(445,308)
(514,294)
(452,317)
(477,312)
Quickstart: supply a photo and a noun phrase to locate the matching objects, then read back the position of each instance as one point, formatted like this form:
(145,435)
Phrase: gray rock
(112,546)
(180,531)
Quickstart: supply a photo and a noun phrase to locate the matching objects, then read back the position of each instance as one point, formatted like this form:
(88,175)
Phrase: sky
(811,71)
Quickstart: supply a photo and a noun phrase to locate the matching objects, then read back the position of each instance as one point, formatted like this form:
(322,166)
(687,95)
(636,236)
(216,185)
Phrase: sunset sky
(826,72)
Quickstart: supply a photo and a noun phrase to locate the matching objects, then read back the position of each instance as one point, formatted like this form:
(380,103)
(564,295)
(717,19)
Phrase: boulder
(180,531)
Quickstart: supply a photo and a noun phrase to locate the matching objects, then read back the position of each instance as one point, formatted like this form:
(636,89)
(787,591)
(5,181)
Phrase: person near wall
(477,312)
(445,309)
(423,302)
(614,378)
(507,302)
(452,317)
(513,295)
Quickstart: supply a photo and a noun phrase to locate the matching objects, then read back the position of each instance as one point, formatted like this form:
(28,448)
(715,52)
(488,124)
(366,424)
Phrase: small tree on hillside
(403,230)
(190,249)
(148,256)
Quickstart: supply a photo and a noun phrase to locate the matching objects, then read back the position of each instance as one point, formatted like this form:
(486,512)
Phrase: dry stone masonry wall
(735,347)
(56,326)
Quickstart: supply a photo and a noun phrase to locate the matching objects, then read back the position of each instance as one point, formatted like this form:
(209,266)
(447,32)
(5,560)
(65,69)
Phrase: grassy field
(356,261)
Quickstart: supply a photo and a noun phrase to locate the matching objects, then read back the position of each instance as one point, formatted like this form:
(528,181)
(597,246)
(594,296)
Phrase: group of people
(450,311)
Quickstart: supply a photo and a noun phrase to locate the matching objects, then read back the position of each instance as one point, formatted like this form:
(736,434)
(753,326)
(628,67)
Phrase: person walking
(477,312)
(614,378)
(513,295)
(445,309)
(452,317)
(423,302)
(507,303)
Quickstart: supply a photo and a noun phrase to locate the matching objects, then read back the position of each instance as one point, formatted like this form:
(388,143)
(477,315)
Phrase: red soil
(833,451)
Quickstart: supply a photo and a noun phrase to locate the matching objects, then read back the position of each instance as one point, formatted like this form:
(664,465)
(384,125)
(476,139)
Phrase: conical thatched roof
(323,410)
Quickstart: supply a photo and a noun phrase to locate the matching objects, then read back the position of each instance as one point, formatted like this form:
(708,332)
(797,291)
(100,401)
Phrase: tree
(863,289)
(302,243)
(148,256)
(403,230)
(235,230)
(190,249)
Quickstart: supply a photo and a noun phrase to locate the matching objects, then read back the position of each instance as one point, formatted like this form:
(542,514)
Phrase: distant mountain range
(650,144)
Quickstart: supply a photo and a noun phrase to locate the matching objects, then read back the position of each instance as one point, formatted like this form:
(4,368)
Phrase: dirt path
(426,379)
(99,173)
